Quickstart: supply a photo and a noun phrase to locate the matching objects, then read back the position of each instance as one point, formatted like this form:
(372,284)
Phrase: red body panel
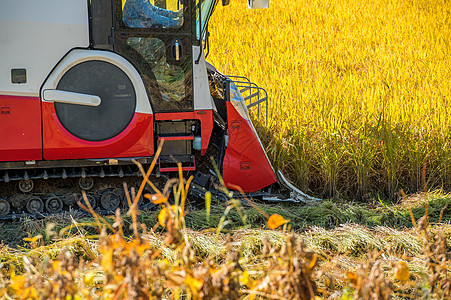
(20,128)
(245,162)
(204,116)
(135,141)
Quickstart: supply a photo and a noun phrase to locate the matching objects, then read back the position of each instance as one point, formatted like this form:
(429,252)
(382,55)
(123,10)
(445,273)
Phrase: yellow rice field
(359,90)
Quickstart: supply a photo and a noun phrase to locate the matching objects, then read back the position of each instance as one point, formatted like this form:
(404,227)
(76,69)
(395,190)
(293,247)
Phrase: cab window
(152,13)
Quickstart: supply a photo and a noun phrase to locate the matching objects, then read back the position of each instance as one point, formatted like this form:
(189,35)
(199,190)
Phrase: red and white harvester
(87,86)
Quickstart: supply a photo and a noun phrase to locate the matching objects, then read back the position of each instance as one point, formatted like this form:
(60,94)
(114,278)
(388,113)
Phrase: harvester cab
(87,86)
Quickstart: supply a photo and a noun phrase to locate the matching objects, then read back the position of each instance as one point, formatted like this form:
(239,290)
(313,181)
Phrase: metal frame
(251,93)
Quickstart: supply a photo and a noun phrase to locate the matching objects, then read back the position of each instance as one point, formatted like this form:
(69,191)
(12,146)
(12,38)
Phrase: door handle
(71,98)
(177,49)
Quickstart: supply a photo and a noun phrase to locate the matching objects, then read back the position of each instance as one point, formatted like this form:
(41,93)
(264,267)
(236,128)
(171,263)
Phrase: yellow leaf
(276,221)
(156,199)
(214,270)
(164,215)
(18,282)
(253,288)
(33,239)
(56,266)
(163,265)
(89,278)
(352,277)
(29,293)
(178,293)
(13,272)
(244,278)
(142,248)
(313,262)
(33,292)
(402,271)
(107,260)
(208,204)
(193,283)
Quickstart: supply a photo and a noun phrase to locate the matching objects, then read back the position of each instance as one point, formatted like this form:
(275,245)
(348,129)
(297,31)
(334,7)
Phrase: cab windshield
(152,13)
(207,8)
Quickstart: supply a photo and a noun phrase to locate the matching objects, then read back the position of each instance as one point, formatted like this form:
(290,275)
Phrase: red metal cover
(245,162)
(20,128)
(135,141)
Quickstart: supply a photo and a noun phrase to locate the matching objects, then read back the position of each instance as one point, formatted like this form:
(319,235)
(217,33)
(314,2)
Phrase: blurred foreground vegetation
(325,250)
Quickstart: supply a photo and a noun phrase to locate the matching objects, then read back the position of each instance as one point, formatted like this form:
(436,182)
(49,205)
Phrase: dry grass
(202,265)
(359,90)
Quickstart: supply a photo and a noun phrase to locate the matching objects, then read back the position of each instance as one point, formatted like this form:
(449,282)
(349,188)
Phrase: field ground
(327,214)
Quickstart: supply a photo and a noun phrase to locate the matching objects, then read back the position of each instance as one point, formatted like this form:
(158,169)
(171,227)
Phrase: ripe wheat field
(359,90)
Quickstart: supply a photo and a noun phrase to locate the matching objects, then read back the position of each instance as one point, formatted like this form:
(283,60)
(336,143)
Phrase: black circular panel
(118,101)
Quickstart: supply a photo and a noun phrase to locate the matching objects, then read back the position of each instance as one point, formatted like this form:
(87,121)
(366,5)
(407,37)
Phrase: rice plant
(359,90)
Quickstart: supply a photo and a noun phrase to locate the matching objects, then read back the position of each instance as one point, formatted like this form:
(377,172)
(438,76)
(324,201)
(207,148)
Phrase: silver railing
(252,93)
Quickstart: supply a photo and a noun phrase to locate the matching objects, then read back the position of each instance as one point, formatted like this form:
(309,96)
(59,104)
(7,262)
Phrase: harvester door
(155,36)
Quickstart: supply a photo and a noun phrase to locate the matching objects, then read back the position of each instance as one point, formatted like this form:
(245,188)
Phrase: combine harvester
(87,86)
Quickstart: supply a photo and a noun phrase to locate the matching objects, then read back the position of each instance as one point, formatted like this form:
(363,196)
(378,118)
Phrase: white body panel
(77,56)
(71,98)
(202,97)
(35,35)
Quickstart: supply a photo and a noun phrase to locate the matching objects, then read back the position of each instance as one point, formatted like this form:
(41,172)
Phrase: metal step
(176,137)
(169,163)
